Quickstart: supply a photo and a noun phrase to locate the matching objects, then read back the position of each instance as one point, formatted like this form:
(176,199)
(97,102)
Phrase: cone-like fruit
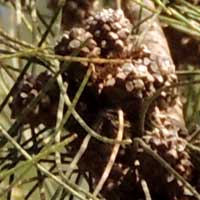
(78,41)
(165,141)
(74,11)
(111,30)
(46,110)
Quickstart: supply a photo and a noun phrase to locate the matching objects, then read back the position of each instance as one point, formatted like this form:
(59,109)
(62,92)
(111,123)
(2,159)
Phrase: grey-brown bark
(155,39)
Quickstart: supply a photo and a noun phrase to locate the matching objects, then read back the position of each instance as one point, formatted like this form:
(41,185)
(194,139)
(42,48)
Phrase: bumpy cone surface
(74,11)
(111,30)
(45,111)
(165,141)
(116,82)
(78,41)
